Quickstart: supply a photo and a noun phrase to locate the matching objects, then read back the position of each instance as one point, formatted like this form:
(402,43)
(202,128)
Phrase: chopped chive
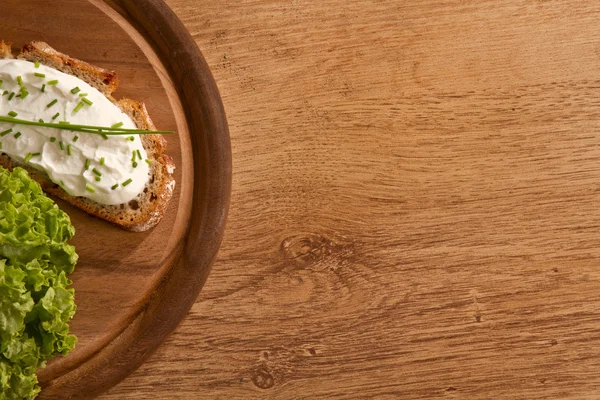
(127,182)
(1,82)
(138,154)
(82,94)
(96,130)
(104,136)
(5,93)
(52,139)
(0,145)
(94,170)
(19,80)
(87,101)
(17,135)
(55,116)
(11,95)
(62,145)
(97,179)
(43,88)
(36,63)
(53,102)
(132,155)
(62,183)
(78,107)
(130,138)
(6,132)
(75,138)
(68,149)
(28,157)
(134,164)
(148,162)
(23,92)
(101,160)
(39,75)
(117,125)
(53,82)
(87,164)
(89,188)
(113,187)
(36,154)
(75,90)
(12,114)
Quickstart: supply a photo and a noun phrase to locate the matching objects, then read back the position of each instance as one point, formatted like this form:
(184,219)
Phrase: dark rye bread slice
(147,209)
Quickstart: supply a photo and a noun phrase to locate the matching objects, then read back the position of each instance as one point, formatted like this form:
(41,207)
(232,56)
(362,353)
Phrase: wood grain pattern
(415,204)
(133,289)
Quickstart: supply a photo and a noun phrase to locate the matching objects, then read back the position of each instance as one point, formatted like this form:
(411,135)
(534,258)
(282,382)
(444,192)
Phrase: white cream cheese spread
(108,170)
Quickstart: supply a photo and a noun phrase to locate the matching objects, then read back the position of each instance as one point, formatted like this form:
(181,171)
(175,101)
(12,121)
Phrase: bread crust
(5,50)
(149,207)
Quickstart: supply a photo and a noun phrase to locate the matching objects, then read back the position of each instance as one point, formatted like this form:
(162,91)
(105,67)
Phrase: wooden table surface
(416,204)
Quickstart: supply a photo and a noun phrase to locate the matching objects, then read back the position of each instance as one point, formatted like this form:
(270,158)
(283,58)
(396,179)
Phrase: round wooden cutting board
(132,289)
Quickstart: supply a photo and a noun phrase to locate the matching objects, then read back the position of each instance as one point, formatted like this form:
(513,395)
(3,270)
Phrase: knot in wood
(306,250)
(262,378)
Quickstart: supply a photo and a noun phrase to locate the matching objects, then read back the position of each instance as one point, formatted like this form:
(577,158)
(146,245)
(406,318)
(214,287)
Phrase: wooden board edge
(211,149)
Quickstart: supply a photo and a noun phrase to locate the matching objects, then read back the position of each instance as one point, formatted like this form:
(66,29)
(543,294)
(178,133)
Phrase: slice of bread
(147,209)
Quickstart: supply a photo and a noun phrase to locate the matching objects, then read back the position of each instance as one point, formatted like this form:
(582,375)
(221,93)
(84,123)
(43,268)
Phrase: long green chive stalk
(98,130)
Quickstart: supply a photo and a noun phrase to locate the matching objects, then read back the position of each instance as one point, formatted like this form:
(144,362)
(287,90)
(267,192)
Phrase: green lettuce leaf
(36,302)
(17,382)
